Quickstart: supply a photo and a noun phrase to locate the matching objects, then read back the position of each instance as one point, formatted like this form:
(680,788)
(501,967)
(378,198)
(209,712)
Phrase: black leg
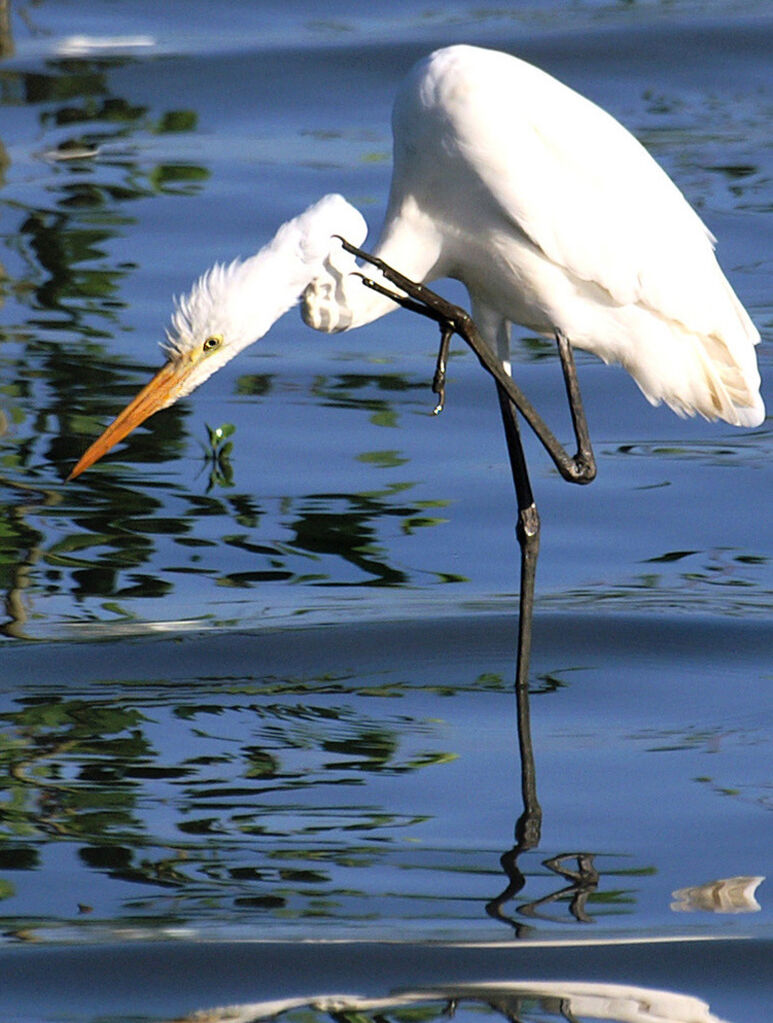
(528,827)
(579,468)
(527,531)
(439,379)
(584,459)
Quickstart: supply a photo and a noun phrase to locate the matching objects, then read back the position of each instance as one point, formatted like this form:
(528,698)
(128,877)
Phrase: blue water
(258,704)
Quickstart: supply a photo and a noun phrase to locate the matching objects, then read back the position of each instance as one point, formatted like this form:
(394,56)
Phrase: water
(251,705)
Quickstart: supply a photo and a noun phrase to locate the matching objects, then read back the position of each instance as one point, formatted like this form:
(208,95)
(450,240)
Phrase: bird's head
(232,305)
(209,327)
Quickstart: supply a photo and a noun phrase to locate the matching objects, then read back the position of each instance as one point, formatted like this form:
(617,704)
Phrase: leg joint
(580,469)
(528,523)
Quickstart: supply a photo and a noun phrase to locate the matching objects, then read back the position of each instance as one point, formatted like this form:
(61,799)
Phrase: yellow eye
(212,342)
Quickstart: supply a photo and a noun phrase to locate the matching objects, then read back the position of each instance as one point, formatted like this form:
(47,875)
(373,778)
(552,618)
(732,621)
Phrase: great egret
(550,213)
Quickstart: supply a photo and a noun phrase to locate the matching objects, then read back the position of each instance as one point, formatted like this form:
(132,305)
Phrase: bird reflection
(512,1001)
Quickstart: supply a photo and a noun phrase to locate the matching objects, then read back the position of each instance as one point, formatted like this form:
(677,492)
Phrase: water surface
(270,699)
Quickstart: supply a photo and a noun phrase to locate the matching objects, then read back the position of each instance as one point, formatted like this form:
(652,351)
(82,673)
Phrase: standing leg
(529,823)
(526,530)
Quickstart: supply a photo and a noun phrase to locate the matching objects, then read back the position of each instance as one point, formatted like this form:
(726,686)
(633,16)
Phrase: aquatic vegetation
(217,453)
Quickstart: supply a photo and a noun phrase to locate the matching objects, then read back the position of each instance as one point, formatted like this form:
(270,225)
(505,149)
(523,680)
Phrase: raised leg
(577,468)
(584,458)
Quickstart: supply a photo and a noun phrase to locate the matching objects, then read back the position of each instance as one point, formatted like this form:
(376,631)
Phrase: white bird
(550,213)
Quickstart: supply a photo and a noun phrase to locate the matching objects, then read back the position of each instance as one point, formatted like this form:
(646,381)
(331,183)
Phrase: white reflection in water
(524,1001)
(727,895)
(85,46)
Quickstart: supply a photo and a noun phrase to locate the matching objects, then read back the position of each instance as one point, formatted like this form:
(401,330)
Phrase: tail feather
(697,374)
(733,387)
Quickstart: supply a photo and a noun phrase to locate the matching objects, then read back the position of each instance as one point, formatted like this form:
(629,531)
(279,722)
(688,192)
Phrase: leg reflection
(583,878)
(529,825)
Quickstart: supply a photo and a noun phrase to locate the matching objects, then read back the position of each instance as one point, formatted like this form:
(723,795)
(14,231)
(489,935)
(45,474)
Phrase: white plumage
(555,217)
(240,301)
(552,215)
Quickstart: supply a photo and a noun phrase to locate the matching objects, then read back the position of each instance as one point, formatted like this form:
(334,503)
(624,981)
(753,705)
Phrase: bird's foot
(418,298)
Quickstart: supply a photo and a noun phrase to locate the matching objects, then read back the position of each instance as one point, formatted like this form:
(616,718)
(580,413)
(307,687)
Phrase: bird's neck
(337,299)
(281,271)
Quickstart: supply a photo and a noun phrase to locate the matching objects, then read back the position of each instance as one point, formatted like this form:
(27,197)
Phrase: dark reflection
(345,391)
(122,864)
(122,542)
(36,795)
(20,552)
(70,281)
(115,532)
(65,244)
(583,883)
(71,285)
(529,825)
(62,384)
(244,818)
(514,1002)
(6,36)
(342,524)
(714,579)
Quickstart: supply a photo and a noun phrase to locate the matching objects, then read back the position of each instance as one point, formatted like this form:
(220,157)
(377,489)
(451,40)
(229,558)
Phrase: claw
(439,380)
(359,253)
(375,286)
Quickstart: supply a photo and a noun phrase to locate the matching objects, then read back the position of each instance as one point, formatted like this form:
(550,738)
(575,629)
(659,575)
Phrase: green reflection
(720,579)
(345,391)
(120,531)
(67,278)
(65,273)
(343,524)
(233,802)
(106,539)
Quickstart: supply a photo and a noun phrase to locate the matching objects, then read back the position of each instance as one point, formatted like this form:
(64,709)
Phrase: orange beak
(162,391)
